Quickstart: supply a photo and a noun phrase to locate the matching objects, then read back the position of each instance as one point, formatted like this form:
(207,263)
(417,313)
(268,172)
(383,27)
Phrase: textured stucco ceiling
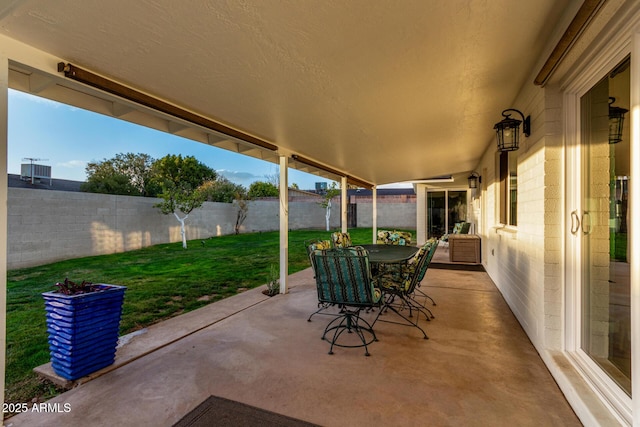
(385,91)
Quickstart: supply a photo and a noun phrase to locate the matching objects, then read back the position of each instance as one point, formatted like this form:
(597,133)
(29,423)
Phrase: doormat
(218,411)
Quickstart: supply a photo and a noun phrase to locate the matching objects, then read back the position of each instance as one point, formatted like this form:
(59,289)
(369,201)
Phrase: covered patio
(477,368)
(367,94)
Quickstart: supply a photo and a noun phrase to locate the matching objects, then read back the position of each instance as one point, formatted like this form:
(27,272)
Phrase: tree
(182,181)
(243,208)
(224,191)
(262,189)
(126,174)
(330,193)
(274,178)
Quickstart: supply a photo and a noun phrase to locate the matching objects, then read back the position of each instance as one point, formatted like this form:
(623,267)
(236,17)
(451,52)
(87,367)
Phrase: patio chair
(343,278)
(386,237)
(312,246)
(400,283)
(430,254)
(341,240)
(458,228)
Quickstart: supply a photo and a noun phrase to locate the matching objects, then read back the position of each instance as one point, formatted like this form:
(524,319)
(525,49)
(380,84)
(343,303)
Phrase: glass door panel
(436,214)
(457,208)
(605,278)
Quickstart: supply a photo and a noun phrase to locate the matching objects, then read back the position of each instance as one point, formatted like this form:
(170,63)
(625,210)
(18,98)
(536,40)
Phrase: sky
(67,138)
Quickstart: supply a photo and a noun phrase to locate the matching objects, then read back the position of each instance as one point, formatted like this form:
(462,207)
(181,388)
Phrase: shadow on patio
(477,368)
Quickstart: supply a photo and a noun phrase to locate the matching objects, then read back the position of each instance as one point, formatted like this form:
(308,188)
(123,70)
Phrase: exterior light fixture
(508,130)
(616,121)
(474,179)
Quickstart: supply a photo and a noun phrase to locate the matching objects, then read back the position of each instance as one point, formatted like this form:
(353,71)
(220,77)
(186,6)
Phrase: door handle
(575,223)
(586,220)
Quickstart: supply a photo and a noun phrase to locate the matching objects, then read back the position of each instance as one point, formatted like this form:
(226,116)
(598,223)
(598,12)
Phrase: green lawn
(162,281)
(618,243)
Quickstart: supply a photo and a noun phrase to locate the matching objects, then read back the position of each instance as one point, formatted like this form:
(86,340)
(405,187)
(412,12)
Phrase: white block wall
(47,226)
(525,261)
(390,215)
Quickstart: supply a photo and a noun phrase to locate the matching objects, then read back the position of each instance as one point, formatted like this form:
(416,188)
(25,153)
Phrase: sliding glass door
(600,223)
(444,209)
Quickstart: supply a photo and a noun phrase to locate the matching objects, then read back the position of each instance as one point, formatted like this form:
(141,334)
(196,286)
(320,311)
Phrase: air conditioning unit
(35,173)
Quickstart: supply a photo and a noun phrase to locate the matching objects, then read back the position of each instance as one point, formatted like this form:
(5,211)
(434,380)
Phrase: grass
(162,281)
(618,242)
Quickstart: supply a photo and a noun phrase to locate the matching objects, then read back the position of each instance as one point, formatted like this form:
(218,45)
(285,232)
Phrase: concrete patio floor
(477,369)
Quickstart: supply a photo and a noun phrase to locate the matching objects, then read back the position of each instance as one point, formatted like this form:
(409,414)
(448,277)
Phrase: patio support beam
(284,223)
(350,179)
(4,139)
(374,213)
(83,76)
(421,214)
(343,203)
(580,22)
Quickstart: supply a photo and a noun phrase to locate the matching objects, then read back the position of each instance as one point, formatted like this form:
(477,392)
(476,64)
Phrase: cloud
(72,164)
(72,169)
(241,177)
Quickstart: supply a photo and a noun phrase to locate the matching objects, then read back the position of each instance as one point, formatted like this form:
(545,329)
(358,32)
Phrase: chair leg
(407,302)
(408,321)
(422,306)
(322,307)
(410,302)
(426,296)
(350,322)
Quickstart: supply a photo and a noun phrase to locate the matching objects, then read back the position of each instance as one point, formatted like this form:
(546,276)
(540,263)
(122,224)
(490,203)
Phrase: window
(509,188)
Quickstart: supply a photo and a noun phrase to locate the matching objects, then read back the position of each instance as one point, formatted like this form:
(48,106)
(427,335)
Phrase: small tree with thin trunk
(331,192)
(182,180)
(243,208)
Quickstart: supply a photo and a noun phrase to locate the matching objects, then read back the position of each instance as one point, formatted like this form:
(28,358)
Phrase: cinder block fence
(46,226)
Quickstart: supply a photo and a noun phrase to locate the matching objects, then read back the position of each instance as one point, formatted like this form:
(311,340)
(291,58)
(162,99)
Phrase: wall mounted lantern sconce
(616,121)
(474,179)
(508,130)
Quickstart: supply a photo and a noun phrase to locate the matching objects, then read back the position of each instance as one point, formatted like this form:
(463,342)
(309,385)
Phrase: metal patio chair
(312,246)
(398,285)
(343,278)
(341,240)
(386,237)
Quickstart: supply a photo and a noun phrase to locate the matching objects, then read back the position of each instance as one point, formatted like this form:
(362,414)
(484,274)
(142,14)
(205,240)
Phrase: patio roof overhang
(380,92)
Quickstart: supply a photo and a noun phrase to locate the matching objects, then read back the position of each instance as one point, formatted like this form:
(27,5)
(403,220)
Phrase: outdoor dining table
(389,254)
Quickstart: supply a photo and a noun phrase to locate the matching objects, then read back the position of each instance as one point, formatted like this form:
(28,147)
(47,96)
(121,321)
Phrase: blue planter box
(83,330)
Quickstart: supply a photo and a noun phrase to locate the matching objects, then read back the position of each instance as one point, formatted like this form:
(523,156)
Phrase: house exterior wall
(514,256)
(553,219)
(529,263)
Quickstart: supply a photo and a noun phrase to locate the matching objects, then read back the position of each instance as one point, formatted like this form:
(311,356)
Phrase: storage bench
(464,248)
